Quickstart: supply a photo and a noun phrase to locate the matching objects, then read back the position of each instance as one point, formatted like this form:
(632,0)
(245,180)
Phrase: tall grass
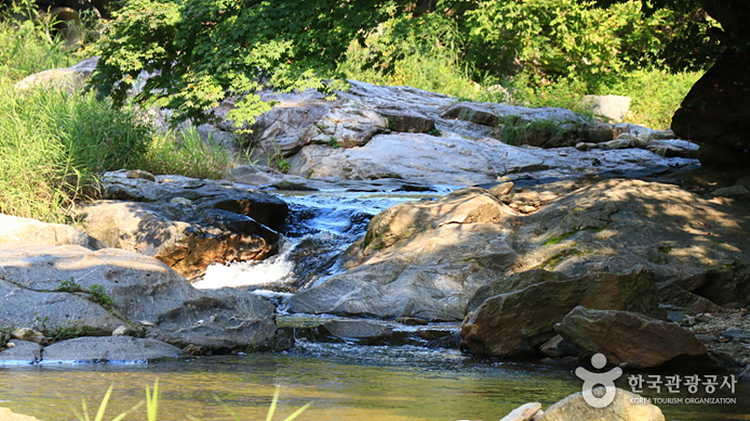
(182,151)
(54,143)
(152,407)
(26,48)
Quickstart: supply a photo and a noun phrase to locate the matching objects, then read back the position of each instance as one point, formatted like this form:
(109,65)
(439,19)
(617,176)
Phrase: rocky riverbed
(589,238)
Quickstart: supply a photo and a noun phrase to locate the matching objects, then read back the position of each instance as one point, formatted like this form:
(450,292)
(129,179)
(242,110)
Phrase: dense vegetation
(541,51)
(54,143)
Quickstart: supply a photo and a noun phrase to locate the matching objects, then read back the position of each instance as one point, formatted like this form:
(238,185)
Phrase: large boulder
(69,291)
(544,127)
(418,157)
(194,223)
(517,323)
(185,239)
(626,337)
(421,260)
(109,349)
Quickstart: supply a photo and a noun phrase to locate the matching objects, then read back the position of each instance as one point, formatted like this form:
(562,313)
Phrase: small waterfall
(321,225)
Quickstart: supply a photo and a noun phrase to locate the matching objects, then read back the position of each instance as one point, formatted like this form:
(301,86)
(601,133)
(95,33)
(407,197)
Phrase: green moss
(559,238)
(664,249)
(559,257)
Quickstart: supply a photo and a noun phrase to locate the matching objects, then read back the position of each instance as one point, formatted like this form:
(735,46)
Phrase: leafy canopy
(200,51)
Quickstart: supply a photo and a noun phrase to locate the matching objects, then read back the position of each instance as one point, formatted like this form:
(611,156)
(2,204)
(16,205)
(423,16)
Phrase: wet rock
(76,291)
(25,230)
(517,323)
(391,275)
(427,259)
(626,406)
(626,337)
(111,348)
(355,329)
(21,352)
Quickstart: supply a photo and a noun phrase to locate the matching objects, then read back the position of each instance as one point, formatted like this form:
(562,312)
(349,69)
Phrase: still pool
(352,383)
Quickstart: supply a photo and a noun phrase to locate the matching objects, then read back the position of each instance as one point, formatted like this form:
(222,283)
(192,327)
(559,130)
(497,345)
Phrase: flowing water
(344,381)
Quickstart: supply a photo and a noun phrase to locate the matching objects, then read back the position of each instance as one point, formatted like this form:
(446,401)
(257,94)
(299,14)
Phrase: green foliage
(69,285)
(27,48)
(656,95)
(99,295)
(152,402)
(184,152)
(52,144)
(208,49)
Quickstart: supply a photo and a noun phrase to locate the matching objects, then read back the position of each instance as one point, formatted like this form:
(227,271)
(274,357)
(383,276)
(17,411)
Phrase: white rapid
(321,225)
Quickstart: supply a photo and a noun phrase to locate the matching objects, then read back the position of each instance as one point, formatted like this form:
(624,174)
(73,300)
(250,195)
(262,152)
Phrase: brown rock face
(516,323)
(626,337)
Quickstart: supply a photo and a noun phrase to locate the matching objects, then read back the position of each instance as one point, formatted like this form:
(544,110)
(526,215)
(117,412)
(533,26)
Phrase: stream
(344,381)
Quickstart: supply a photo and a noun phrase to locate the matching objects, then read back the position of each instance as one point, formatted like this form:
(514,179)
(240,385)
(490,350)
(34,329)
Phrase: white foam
(275,269)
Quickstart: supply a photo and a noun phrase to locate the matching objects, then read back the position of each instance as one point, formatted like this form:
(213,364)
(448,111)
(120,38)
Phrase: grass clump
(53,143)
(183,152)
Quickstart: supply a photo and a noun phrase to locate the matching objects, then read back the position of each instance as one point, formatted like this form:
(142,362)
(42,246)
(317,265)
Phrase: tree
(201,51)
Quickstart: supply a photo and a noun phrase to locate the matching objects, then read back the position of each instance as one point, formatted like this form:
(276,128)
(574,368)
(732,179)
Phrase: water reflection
(354,383)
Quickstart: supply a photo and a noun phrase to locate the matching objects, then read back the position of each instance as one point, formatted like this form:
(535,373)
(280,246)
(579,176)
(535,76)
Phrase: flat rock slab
(26,230)
(48,288)
(21,353)
(109,349)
